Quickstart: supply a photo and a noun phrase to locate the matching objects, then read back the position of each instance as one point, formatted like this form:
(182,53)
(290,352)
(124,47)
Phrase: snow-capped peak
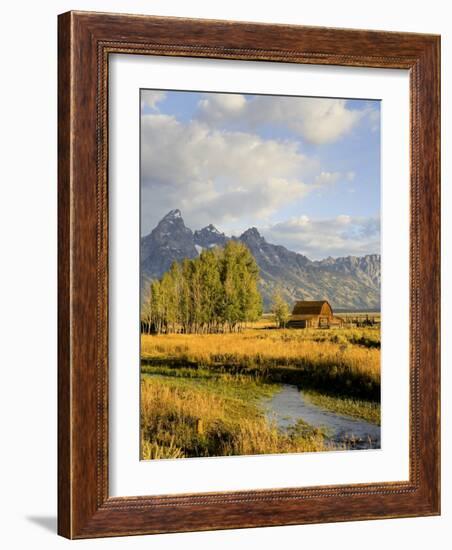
(173,214)
(212,229)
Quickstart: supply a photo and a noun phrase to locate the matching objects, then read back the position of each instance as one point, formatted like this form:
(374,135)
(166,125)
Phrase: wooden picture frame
(85,42)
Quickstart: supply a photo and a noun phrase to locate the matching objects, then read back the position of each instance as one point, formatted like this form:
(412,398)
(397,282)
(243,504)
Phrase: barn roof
(309,307)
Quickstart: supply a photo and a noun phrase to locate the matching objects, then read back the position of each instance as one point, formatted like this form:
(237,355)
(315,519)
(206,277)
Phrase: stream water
(289,405)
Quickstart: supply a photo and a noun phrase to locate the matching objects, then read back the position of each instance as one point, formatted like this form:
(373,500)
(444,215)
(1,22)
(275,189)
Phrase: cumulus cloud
(220,167)
(216,176)
(150,98)
(318,120)
(318,238)
(219,106)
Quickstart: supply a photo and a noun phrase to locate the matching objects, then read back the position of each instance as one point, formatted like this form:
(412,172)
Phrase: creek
(290,405)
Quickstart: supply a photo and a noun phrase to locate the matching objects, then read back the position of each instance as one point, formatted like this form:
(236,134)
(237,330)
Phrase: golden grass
(179,419)
(205,393)
(326,357)
(280,345)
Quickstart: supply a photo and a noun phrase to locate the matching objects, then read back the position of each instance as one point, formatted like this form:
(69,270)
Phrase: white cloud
(327,178)
(216,176)
(150,98)
(318,120)
(217,106)
(318,238)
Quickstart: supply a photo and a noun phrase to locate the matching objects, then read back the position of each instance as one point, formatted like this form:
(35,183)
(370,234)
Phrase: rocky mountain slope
(350,283)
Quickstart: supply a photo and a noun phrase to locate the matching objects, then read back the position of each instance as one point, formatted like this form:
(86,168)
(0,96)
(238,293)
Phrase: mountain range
(348,283)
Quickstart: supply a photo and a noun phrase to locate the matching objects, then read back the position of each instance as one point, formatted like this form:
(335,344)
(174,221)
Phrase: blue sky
(304,171)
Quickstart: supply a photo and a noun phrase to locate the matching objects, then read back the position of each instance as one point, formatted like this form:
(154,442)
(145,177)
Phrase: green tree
(146,309)
(212,289)
(156,306)
(185,304)
(280,309)
(217,290)
(240,279)
(169,296)
(249,295)
(230,278)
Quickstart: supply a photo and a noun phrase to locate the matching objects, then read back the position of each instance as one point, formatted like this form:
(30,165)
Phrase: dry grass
(205,393)
(179,419)
(259,347)
(328,359)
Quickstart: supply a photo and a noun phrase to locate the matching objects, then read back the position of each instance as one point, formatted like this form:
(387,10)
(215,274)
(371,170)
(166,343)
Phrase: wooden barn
(313,314)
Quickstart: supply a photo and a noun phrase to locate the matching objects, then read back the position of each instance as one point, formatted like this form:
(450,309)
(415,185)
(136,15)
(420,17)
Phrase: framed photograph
(248,275)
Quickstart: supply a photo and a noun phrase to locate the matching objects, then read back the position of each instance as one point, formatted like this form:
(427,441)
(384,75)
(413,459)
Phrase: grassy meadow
(204,394)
